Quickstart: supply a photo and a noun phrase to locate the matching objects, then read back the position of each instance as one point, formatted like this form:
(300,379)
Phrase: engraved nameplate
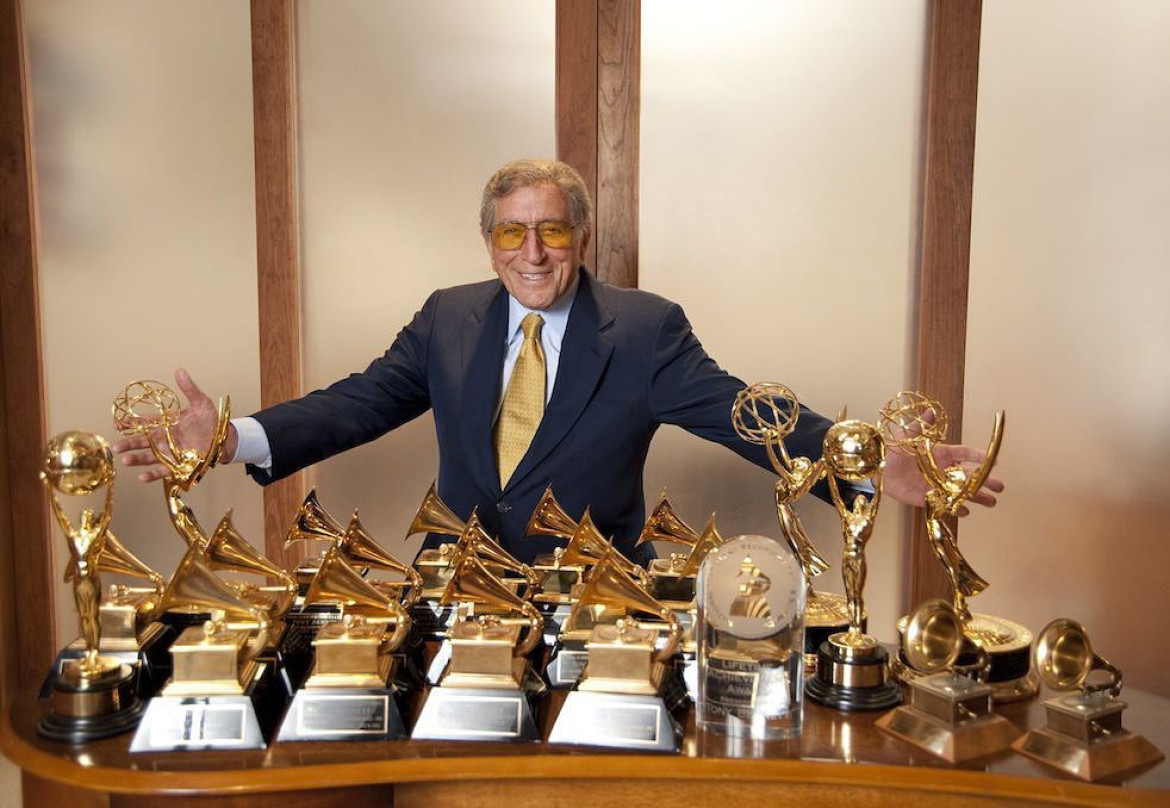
(216,722)
(475,715)
(327,714)
(566,668)
(616,720)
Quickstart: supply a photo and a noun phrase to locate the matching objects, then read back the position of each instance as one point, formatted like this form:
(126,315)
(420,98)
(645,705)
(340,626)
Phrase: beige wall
(780,154)
(1070,278)
(406,109)
(142,114)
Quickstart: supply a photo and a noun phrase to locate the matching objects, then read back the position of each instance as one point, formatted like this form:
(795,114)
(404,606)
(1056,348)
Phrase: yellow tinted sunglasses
(510,235)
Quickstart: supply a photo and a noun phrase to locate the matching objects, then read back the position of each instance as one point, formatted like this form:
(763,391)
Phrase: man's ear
(586,234)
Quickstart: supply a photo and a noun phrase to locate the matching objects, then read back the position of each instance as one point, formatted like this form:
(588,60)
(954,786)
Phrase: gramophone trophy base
(667,585)
(617,721)
(343,714)
(852,679)
(566,664)
(1085,738)
(85,710)
(477,714)
(1009,646)
(951,718)
(556,580)
(210,721)
(301,626)
(151,660)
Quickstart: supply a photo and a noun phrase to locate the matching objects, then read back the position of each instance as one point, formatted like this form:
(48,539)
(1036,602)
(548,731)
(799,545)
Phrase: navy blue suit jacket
(629,362)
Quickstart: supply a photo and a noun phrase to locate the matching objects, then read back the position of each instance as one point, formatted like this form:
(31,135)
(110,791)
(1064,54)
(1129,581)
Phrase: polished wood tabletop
(842,752)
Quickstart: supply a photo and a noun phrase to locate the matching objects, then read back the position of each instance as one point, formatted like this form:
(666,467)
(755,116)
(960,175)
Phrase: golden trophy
(913,424)
(151,409)
(1084,736)
(220,694)
(618,701)
(851,671)
(487,689)
(950,714)
(351,692)
(93,696)
(766,413)
(312,523)
(672,579)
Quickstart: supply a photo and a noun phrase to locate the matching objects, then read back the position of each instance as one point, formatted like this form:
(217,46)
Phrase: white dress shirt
(252,446)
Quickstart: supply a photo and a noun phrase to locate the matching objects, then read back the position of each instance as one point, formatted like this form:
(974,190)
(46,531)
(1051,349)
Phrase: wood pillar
(952,89)
(24,513)
(597,109)
(274,102)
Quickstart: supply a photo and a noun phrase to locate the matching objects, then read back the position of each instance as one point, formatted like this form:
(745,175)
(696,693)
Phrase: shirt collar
(556,316)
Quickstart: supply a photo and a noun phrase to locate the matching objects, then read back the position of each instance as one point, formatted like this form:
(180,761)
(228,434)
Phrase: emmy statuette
(1084,736)
(92,696)
(764,414)
(950,714)
(851,669)
(914,424)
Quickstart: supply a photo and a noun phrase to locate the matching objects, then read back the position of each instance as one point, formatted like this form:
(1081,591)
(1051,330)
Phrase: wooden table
(840,760)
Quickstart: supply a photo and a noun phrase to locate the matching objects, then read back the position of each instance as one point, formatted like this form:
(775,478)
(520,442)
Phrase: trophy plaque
(351,692)
(764,414)
(618,701)
(1084,736)
(751,640)
(487,689)
(851,672)
(220,695)
(93,696)
(913,424)
(950,712)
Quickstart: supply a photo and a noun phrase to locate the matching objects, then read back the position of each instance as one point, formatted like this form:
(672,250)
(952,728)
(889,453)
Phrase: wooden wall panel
(24,515)
(598,75)
(952,88)
(274,100)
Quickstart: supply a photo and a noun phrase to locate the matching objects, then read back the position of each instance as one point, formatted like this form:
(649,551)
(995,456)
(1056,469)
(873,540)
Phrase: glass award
(750,632)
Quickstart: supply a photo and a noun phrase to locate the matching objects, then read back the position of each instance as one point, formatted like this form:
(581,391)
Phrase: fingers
(142,458)
(958,453)
(150,475)
(188,386)
(983,498)
(127,444)
(993,483)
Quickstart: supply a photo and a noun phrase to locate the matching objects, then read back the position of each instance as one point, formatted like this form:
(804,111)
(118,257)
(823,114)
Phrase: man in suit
(542,376)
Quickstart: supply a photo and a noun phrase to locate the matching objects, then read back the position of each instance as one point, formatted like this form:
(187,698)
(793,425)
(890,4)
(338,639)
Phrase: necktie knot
(531,325)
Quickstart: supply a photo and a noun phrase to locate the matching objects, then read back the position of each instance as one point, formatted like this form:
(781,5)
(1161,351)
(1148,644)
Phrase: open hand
(904,482)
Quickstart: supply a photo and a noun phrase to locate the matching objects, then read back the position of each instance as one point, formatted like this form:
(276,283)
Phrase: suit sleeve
(355,410)
(688,389)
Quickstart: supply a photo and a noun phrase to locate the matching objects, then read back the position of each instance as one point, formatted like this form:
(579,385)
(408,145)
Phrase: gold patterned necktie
(523,404)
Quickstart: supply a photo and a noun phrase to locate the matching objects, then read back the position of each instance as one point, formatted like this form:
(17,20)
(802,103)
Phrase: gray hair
(530,173)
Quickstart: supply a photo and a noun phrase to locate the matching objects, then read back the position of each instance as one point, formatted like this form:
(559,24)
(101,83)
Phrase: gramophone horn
(472,582)
(117,559)
(476,540)
(195,586)
(933,638)
(338,582)
(708,541)
(228,550)
(358,546)
(550,519)
(665,524)
(1064,658)
(433,516)
(611,586)
(313,523)
(588,546)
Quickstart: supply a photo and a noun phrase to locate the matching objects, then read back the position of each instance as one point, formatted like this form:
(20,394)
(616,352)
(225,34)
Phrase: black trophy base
(476,714)
(617,721)
(152,661)
(114,705)
(852,684)
(300,629)
(431,620)
(815,635)
(343,714)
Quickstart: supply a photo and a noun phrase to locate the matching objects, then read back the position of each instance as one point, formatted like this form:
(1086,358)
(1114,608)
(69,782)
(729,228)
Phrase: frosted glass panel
(142,114)
(1068,329)
(406,110)
(780,152)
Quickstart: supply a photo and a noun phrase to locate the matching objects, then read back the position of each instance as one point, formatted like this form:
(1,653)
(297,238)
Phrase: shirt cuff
(251,443)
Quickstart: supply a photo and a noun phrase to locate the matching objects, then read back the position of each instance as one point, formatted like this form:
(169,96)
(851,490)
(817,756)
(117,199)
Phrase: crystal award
(750,632)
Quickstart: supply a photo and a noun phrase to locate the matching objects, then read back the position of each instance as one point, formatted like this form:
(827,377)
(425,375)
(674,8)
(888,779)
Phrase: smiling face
(534,274)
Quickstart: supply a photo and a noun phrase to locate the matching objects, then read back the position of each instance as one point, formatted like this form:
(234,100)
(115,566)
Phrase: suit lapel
(482,355)
(585,352)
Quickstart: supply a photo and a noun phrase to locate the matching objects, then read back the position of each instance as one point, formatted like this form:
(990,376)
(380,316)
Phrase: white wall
(779,172)
(1068,332)
(142,118)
